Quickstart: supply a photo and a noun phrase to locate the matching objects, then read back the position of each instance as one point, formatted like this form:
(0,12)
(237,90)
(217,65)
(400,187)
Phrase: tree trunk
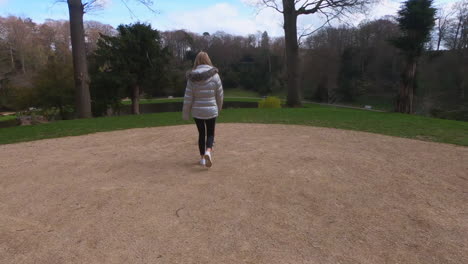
(462,89)
(292,53)
(463,57)
(23,66)
(270,75)
(13,66)
(62,112)
(80,65)
(136,99)
(455,44)
(404,102)
(440,30)
(438,41)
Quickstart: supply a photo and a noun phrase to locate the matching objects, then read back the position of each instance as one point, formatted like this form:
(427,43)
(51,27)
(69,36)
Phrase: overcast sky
(232,16)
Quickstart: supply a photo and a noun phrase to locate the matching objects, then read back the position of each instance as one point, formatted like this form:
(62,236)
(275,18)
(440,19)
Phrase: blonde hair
(202,58)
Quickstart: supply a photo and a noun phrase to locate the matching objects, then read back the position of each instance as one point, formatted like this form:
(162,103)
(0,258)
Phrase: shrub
(460,114)
(270,102)
(53,90)
(25,97)
(6,95)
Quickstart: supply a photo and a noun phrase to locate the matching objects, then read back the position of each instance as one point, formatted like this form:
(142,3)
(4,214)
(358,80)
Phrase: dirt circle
(276,194)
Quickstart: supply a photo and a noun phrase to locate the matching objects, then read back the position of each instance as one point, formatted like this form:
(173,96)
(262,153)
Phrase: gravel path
(275,194)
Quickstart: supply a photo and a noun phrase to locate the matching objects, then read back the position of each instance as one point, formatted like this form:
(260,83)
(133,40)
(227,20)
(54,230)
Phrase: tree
(135,56)
(459,40)
(349,74)
(291,9)
(107,87)
(416,19)
(443,21)
(93,31)
(19,36)
(322,62)
(457,33)
(56,36)
(53,87)
(77,9)
(265,41)
(265,46)
(80,65)
(179,43)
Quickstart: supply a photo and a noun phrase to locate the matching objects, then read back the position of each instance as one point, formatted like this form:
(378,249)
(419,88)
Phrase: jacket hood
(201,73)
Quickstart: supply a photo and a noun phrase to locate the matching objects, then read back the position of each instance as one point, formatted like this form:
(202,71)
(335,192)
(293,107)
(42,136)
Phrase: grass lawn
(6,118)
(377,102)
(394,124)
(233,95)
(175,100)
(239,92)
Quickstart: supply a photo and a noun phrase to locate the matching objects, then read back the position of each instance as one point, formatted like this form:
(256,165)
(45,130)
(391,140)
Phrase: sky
(240,17)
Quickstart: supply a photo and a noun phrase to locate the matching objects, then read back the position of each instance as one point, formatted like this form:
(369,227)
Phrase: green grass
(155,101)
(400,125)
(7,118)
(377,102)
(237,99)
(175,100)
(239,92)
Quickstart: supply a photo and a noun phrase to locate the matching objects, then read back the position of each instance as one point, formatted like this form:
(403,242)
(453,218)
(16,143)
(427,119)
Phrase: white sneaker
(203,162)
(208,159)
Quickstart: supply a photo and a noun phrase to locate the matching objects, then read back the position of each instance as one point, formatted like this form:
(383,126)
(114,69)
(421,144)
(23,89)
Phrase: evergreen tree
(265,42)
(416,19)
(134,59)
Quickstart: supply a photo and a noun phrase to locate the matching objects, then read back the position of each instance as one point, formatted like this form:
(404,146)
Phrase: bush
(6,95)
(231,79)
(25,97)
(460,114)
(106,89)
(53,90)
(270,102)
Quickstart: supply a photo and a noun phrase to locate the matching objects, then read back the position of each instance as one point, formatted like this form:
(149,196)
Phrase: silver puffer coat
(204,93)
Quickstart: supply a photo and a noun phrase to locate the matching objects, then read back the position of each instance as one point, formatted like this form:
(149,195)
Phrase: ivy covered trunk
(404,103)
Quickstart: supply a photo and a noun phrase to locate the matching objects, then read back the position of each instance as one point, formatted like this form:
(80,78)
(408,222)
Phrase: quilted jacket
(203,94)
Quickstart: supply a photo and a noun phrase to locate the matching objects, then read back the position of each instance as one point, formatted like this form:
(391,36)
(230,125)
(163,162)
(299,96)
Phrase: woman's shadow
(193,167)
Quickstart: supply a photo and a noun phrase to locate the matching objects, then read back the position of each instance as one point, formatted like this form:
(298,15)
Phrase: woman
(204,100)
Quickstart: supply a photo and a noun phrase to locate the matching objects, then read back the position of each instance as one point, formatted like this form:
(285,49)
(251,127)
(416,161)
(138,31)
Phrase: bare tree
(93,31)
(460,44)
(6,39)
(461,28)
(291,9)
(443,21)
(179,42)
(18,34)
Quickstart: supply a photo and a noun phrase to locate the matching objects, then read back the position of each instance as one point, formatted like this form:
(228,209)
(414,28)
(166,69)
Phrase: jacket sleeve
(219,94)
(188,101)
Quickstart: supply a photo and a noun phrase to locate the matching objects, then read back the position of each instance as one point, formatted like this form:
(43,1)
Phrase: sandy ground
(276,194)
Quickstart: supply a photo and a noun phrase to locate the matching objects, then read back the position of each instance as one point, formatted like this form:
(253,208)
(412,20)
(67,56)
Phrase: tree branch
(329,17)
(149,5)
(332,4)
(132,15)
(272,4)
(327,22)
(307,4)
(93,5)
(304,11)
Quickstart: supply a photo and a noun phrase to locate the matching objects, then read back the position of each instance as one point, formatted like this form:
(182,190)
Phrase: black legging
(207,133)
